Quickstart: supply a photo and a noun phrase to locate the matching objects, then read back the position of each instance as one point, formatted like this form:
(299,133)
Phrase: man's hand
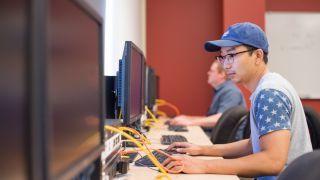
(185,164)
(181,120)
(185,147)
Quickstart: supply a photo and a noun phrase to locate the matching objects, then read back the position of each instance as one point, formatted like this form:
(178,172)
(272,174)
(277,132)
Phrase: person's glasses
(229,58)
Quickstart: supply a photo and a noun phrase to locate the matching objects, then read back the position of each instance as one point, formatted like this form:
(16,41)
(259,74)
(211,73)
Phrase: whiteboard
(294,52)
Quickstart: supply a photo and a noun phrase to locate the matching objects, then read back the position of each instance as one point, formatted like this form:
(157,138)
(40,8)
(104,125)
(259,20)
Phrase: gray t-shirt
(227,95)
(277,106)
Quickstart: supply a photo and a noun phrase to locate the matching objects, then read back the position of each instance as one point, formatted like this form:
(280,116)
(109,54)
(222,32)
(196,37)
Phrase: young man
(279,131)
(226,95)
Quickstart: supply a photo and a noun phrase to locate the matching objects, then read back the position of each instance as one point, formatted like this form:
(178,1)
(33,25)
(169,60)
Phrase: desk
(194,135)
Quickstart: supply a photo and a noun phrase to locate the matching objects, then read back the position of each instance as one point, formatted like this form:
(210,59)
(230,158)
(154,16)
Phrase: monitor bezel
(126,64)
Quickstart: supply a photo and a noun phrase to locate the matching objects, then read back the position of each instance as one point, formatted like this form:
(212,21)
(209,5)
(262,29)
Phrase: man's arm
(230,150)
(270,161)
(209,121)
(236,149)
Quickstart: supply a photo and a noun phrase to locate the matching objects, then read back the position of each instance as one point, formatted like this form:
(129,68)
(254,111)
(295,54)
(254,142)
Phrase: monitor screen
(150,87)
(74,85)
(135,84)
(132,83)
(154,89)
(14,104)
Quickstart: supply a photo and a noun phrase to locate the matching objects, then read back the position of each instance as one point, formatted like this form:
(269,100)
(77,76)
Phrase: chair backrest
(238,132)
(247,129)
(222,130)
(305,167)
(313,120)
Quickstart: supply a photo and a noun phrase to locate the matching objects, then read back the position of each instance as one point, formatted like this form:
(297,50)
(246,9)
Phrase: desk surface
(194,135)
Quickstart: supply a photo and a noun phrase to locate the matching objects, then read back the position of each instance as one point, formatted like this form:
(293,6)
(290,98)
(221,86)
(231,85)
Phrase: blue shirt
(227,95)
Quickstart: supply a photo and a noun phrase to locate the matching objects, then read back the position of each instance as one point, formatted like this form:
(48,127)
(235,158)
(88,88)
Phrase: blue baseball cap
(240,34)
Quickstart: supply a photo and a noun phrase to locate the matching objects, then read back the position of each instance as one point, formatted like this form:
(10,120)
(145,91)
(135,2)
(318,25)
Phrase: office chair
(313,120)
(305,167)
(239,132)
(222,130)
(247,129)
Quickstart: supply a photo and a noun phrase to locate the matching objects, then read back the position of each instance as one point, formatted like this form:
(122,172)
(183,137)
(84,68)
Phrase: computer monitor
(14,90)
(131,78)
(74,88)
(150,87)
(50,89)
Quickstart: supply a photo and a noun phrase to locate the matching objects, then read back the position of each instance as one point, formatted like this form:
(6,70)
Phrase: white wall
(98,5)
(294,39)
(125,20)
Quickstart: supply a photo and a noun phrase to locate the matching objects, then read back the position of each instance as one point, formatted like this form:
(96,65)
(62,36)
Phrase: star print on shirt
(273,112)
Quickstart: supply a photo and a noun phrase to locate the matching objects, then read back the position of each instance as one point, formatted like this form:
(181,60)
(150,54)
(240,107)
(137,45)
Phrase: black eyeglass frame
(230,57)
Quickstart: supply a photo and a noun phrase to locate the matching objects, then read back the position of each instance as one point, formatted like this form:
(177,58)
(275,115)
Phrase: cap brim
(213,46)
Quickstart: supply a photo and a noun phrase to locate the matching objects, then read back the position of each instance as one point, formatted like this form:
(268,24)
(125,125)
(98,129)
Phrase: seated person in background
(279,130)
(226,95)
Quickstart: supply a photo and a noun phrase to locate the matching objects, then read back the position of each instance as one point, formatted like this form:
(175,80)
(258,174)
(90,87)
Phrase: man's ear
(259,55)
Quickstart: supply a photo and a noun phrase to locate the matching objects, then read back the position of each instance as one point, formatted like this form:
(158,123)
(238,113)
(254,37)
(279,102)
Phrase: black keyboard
(169,139)
(145,161)
(132,156)
(177,128)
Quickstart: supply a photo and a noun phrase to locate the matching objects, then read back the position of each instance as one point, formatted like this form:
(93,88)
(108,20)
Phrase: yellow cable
(161,102)
(162,177)
(149,123)
(127,140)
(175,108)
(151,120)
(151,114)
(161,113)
(148,152)
(142,137)
(120,114)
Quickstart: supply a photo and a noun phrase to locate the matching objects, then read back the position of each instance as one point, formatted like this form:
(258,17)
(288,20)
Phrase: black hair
(265,55)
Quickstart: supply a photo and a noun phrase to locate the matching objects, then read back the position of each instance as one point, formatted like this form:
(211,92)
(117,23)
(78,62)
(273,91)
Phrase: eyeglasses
(229,58)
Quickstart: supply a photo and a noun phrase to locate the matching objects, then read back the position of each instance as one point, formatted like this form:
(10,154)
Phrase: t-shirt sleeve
(272,111)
